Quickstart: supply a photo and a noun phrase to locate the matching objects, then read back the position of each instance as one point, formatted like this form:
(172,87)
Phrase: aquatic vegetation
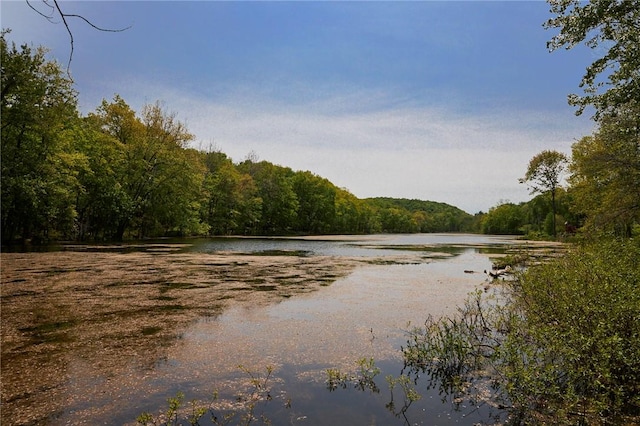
(562,347)
(244,412)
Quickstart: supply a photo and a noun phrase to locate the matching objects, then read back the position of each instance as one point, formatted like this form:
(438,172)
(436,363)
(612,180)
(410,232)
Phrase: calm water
(365,314)
(367,246)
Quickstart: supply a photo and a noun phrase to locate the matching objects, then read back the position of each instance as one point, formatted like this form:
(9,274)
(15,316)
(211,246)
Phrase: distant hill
(412,215)
(414,205)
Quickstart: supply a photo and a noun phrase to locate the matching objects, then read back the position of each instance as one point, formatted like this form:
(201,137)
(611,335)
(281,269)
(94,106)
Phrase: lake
(97,334)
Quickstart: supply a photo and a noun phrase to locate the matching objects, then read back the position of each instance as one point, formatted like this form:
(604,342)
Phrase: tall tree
(99,201)
(544,174)
(171,194)
(158,180)
(317,203)
(39,168)
(506,219)
(605,173)
(610,28)
(232,204)
(353,215)
(279,200)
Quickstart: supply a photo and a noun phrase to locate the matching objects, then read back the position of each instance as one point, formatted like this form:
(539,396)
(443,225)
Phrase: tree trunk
(553,209)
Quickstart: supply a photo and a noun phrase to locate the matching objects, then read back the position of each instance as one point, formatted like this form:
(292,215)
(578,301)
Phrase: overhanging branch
(55,8)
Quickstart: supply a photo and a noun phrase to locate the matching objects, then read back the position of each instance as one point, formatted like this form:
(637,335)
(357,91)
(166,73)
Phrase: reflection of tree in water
(93,323)
(405,390)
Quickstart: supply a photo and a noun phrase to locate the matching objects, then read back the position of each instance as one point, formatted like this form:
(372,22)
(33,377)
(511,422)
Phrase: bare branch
(47,17)
(64,16)
(64,20)
(110,30)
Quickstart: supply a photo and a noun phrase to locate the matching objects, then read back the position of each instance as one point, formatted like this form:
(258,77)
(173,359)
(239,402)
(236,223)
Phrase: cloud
(374,146)
(355,123)
(422,100)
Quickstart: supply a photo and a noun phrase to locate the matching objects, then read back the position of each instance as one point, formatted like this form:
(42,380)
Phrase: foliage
(232,204)
(545,171)
(533,218)
(363,379)
(316,203)
(611,28)
(157,178)
(354,215)
(279,201)
(605,173)
(409,394)
(563,347)
(544,174)
(39,171)
(404,215)
(456,352)
(506,219)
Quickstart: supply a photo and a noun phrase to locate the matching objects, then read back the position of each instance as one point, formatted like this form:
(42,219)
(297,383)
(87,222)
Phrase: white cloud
(385,142)
(372,149)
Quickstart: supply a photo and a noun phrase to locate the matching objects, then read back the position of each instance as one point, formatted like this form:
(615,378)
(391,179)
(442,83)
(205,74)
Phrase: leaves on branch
(612,29)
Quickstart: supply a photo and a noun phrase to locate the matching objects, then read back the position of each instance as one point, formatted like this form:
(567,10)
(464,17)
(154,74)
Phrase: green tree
(393,219)
(125,132)
(544,174)
(39,167)
(99,199)
(608,26)
(317,203)
(605,173)
(353,215)
(279,201)
(174,173)
(426,216)
(158,181)
(535,211)
(505,219)
(232,203)
(538,214)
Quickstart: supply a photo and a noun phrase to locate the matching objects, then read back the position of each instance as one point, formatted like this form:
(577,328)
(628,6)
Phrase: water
(366,315)
(366,246)
(396,281)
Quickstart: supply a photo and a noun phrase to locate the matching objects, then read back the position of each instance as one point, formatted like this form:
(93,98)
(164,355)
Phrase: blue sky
(443,101)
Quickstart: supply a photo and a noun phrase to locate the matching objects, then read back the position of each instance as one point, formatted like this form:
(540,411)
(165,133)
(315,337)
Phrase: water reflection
(301,305)
(352,246)
(364,314)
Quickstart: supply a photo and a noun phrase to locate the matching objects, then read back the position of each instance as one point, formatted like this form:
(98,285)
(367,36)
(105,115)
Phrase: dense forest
(119,174)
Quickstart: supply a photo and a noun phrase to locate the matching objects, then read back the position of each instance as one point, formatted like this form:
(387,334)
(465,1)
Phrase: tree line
(603,191)
(116,174)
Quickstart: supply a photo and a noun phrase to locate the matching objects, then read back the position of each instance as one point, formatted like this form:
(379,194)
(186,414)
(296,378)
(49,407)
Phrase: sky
(435,100)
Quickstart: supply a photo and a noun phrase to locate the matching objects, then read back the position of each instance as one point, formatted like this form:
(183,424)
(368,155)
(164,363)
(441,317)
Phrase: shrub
(563,347)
